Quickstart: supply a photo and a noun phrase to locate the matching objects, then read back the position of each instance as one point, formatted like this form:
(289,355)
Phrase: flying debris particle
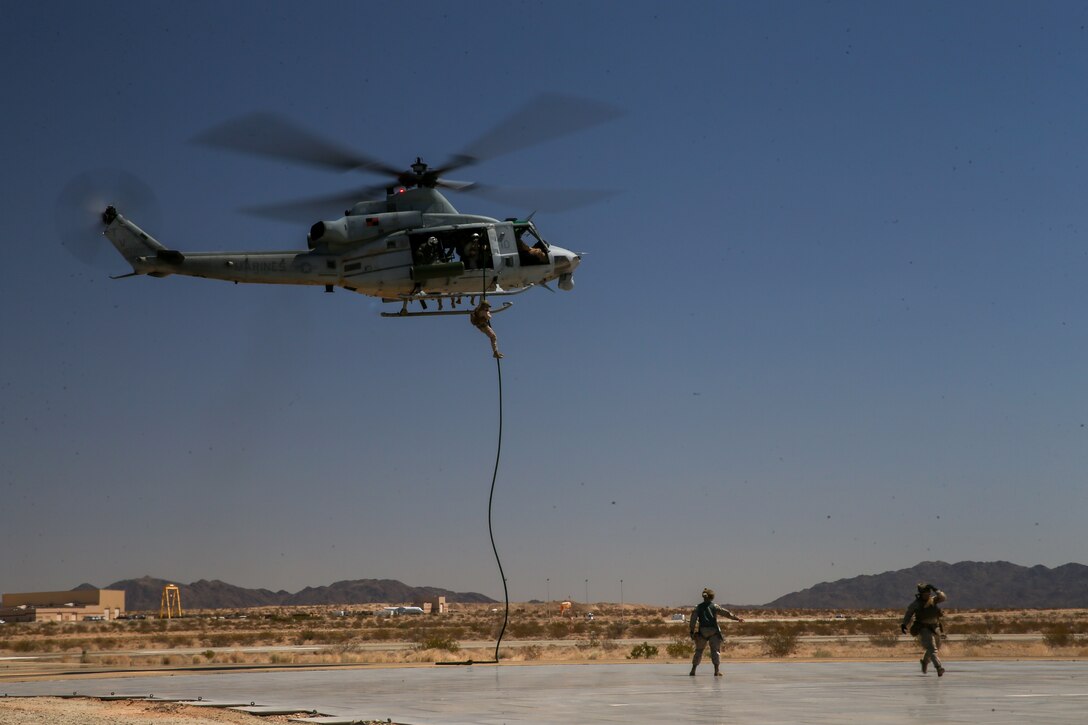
(613,503)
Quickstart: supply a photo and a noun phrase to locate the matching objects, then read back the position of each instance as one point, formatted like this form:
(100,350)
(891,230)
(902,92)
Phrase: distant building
(76,605)
(435,605)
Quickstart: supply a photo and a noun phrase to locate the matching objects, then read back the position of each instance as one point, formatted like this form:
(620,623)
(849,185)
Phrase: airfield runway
(763,692)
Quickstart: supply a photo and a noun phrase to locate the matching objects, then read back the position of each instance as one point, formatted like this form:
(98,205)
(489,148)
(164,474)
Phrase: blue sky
(833,322)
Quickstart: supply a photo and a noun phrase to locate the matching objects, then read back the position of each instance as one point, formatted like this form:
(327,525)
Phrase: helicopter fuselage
(413,246)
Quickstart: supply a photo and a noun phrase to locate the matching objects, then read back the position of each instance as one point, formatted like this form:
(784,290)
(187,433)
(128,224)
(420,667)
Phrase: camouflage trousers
(714,639)
(931,642)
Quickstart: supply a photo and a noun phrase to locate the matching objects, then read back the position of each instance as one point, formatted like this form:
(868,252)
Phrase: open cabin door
(504,248)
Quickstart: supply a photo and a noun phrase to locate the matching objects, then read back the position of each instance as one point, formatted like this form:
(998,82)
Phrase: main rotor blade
(270,135)
(547,116)
(547,200)
(309,210)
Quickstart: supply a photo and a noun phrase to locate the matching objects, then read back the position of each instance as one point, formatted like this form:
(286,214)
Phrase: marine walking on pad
(927,624)
(705,630)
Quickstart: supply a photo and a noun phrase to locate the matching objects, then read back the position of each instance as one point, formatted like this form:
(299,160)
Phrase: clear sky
(833,322)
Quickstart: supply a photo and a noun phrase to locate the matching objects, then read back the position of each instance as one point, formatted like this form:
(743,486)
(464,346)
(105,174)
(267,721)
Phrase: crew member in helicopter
(481,320)
(430,251)
(530,255)
(470,253)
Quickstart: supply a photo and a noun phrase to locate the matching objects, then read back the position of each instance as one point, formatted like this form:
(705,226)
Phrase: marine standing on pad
(927,624)
(705,630)
(481,319)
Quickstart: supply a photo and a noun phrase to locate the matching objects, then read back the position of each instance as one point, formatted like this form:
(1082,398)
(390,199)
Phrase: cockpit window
(531,248)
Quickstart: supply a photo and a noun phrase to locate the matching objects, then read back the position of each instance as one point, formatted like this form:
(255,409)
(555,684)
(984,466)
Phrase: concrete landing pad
(763,692)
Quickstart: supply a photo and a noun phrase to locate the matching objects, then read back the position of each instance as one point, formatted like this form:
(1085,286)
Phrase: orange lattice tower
(171,602)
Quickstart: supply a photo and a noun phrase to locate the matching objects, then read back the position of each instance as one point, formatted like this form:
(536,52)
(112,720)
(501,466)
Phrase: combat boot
(925,666)
(717,672)
(940,672)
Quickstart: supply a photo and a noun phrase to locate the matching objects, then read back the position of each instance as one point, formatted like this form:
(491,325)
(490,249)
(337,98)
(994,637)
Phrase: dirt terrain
(75,711)
(357,636)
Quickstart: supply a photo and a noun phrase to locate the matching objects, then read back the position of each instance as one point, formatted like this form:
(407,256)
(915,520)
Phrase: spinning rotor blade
(547,116)
(549,200)
(310,210)
(270,135)
(80,206)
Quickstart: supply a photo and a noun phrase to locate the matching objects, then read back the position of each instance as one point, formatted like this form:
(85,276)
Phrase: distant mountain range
(968,584)
(146,593)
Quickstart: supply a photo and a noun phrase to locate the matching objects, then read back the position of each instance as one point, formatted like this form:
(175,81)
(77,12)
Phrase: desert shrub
(306,635)
(643,651)
(30,645)
(532,652)
(680,649)
(821,654)
(558,630)
(526,630)
(615,630)
(780,642)
(1058,635)
(437,641)
(885,639)
(209,654)
(651,630)
(978,639)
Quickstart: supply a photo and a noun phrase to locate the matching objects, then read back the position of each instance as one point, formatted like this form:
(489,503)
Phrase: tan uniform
(705,630)
(923,610)
(481,320)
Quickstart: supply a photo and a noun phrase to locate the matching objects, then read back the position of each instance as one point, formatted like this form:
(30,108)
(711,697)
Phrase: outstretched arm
(727,613)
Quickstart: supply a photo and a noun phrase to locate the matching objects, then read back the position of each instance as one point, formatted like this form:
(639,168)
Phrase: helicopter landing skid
(426,313)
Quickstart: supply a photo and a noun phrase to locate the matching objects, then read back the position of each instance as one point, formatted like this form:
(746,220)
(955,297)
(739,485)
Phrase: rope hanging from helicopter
(490,529)
(491,496)
(490,503)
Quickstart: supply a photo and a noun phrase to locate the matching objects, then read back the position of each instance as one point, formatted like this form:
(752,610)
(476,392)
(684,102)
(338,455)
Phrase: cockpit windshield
(531,248)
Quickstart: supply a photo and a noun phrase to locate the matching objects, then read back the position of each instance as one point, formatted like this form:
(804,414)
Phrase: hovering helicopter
(410,246)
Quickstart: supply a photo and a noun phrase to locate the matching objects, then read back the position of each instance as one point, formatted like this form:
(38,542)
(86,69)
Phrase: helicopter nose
(565,262)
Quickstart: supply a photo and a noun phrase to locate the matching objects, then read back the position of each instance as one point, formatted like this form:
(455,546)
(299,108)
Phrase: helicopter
(412,246)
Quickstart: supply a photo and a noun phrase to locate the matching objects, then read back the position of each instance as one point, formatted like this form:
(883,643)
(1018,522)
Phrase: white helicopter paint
(413,246)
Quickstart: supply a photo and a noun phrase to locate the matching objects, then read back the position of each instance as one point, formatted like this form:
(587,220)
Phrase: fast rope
(491,497)
(490,530)
(490,527)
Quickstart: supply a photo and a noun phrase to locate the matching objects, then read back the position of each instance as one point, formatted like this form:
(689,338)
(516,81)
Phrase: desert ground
(356,636)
